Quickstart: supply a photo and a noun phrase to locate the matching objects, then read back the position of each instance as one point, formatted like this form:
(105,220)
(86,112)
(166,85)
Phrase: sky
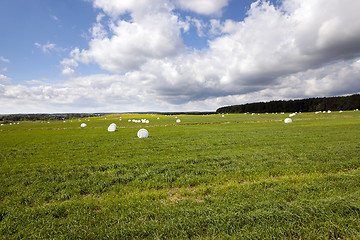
(174,55)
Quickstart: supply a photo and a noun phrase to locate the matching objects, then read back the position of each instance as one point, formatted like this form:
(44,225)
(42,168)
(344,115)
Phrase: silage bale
(112,127)
(143,133)
(288,120)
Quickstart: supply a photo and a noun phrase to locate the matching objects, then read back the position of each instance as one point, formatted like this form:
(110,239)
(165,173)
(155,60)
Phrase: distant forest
(304,105)
(42,117)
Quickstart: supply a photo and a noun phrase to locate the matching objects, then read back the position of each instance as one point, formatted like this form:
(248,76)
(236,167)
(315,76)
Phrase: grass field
(208,177)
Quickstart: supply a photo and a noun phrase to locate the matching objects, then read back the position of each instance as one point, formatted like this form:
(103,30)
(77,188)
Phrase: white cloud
(68,71)
(261,52)
(206,7)
(68,65)
(154,32)
(54,18)
(135,91)
(37,82)
(135,8)
(4,59)
(200,26)
(4,78)
(48,47)
(326,28)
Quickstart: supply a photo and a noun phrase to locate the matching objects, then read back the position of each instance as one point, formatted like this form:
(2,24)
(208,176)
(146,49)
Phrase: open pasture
(240,176)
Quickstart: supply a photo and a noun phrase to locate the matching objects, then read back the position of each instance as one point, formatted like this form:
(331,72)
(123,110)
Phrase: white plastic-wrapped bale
(178,120)
(288,120)
(143,133)
(112,127)
(83,125)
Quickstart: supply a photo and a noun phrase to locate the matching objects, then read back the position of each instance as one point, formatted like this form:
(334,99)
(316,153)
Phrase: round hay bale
(83,125)
(288,120)
(112,127)
(178,120)
(143,133)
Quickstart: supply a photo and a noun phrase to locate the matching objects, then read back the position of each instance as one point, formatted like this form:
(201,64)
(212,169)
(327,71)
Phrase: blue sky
(42,22)
(173,55)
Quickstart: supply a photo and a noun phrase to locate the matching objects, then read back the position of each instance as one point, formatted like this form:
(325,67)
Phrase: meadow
(240,176)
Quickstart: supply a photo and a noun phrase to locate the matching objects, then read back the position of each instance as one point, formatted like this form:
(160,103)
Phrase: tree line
(42,117)
(303,105)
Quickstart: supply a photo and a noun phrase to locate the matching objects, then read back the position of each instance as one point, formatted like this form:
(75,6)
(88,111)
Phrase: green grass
(208,177)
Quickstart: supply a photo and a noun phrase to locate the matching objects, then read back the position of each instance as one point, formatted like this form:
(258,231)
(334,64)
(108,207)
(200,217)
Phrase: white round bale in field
(83,125)
(112,127)
(288,120)
(143,133)
(178,120)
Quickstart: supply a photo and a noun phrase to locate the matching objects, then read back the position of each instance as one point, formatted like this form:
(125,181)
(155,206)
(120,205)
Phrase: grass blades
(208,177)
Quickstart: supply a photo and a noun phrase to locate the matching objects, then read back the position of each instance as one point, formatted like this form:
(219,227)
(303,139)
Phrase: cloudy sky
(174,55)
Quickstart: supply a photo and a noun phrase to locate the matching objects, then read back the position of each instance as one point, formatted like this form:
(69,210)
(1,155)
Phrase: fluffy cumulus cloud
(4,78)
(207,7)
(154,32)
(289,49)
(101,92)
(299,48)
